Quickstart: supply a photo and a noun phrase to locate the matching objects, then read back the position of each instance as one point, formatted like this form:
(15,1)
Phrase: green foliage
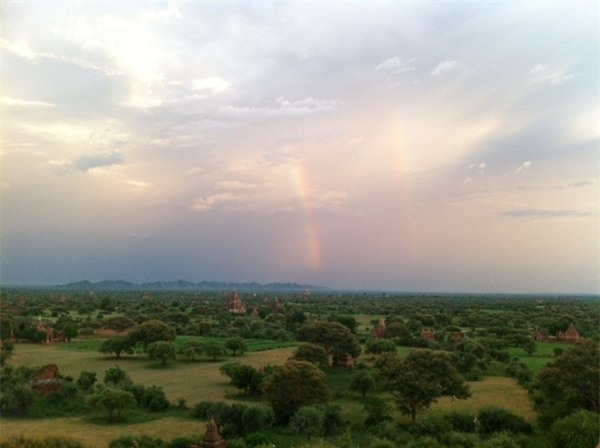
(378,346)
(117,377)
(214,350)
(574,377)
(256,418)
(308,421)
(338,339)
(362,382)
(6,351)
(47,442)
(191,349)
(377,410)
(312,353)
(293,385)
(420,378)
(17,400)
(115,401)
(494,419)
(235,344)
(152,331)
(162,351)
(578,430)
(153,398)
(143,441)
(256,439)
(86,380)
(117,345)
(501,440)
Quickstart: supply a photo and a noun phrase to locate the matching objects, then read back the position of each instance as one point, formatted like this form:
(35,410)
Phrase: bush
(137,442)
(461,422)
(17,400)
(433,425)
(309,421)
(578,430)
(493,419)
(256,439)
(256,418)
(48,442)
(501,440)
(181,442)
(153,399)
(86,381)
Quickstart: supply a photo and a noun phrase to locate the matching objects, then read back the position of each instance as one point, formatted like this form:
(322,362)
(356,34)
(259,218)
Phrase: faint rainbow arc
(301,182)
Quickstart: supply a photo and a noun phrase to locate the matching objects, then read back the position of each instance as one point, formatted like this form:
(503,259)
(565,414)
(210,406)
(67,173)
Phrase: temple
(235,304)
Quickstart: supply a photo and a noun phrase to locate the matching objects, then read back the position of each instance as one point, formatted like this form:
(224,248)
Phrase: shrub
(48,442)
(86,380)
(143,441)
(493,419)
(182,442)
(257,418)
(578,430)
(461,422)
(17,400)
(433,425)
(153,399)
(501,440)
(256,439)
(309,421)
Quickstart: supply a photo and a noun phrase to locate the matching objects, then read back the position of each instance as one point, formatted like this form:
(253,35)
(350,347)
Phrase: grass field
(201,380)
(98,436)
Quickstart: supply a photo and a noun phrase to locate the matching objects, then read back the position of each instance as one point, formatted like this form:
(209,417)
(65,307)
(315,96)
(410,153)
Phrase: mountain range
(182,285)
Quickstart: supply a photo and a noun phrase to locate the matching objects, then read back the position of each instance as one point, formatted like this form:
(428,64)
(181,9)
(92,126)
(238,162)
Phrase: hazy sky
(415,146)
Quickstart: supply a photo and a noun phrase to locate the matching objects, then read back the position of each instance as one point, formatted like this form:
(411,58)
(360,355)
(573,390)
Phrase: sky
(396,146)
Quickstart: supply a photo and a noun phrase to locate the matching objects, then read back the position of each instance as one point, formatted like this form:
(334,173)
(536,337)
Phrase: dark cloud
(87,162)
(546,214)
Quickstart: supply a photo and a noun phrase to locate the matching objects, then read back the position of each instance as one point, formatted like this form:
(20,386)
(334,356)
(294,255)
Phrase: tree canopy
(293,385)
(337,338)
(422,377)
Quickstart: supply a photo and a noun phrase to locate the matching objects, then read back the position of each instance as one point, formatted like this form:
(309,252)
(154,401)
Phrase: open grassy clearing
(98,436)
(193,381)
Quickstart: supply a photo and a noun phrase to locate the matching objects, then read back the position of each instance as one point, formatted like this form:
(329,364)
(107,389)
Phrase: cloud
(396,65)
(284,107)
(211,85)
(87,162)
(448,66)
(235,185)
(541,74)
(8,101)
(208,202)
(523,166)
(545,214)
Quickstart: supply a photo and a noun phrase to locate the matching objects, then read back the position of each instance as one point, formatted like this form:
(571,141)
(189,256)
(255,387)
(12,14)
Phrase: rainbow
(301,183)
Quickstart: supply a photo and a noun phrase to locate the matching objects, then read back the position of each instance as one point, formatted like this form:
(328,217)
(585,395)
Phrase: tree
(308,421)
(117,345)
(214,349)
(419,379)
(6,351)
(247,378)
(162,351)
(235,344)
(529,346)
(378,346)
(578,430)
(312,353)
(362,382)
(114,400)
(573,377)
(86,380)
(70,331)
(191,349)
(335,337)
(293,385)
(117,377)
(152,331)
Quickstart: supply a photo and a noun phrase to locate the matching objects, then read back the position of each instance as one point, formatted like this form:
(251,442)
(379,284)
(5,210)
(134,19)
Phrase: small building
(212,438)
(346,361)
(428,334)
(235,304)
(378,331)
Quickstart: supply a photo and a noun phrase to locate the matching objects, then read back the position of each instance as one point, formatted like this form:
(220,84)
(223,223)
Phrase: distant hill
(182,285)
